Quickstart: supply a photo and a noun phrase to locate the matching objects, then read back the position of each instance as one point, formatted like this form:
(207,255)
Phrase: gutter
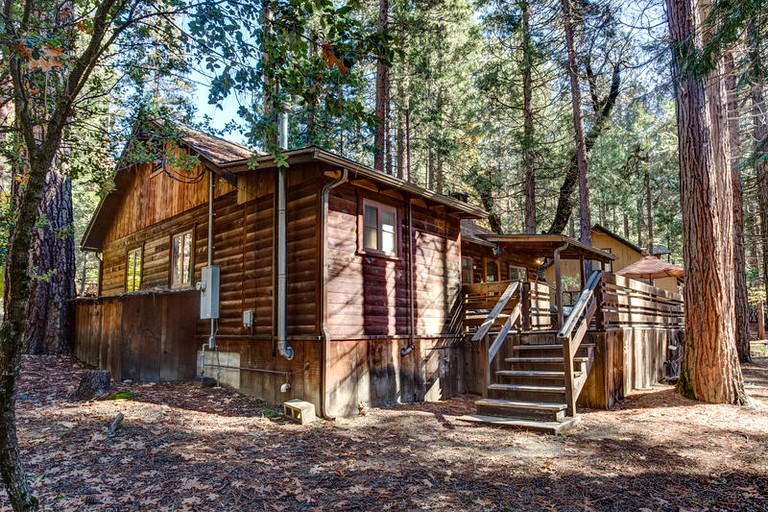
(325,333)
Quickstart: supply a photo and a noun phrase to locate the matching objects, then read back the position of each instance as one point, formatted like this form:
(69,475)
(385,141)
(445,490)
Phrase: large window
(379,228)
(181,260)
(133,270)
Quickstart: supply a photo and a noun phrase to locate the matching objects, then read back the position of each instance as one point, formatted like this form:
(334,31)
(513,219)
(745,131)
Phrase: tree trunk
(710,368)
(759,134)
(382,95)
(527,147)
(739,259)
(649,208)
(18,287)
(53,261)
(400,133)
(585,232)
(93,383)
(565,197)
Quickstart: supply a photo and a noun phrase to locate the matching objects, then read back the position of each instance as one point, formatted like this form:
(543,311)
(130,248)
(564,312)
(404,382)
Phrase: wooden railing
(627,302)
(505,306)
(572,334)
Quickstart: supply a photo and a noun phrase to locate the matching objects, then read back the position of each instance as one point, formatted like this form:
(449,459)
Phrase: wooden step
(556,346)
(527,392)
(544,359)
(549,427)
(520,409)
(539,374)
(527,389)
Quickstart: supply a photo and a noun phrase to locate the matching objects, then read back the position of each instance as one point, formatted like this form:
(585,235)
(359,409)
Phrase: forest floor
(181,447)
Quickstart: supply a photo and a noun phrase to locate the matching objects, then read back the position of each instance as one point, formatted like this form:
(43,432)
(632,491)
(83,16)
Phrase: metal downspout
(324,332)
(281,247)
(211,192)
(411,312)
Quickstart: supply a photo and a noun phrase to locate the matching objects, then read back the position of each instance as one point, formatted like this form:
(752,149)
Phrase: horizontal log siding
(437,272)
(243,241)
(368,294)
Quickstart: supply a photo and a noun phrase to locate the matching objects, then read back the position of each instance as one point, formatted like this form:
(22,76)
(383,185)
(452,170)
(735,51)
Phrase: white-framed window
(609,265)
(181,259)
(466,270)
(133,270)
(379,228)
(517,273)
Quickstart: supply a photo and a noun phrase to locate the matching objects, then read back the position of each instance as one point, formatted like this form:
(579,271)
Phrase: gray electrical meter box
(209,292)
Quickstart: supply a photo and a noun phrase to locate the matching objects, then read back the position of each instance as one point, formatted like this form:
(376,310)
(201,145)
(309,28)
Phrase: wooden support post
(558,291)
(599,314)
(525,301)
(761,320)
(570,398)
(484,346)
(583,272)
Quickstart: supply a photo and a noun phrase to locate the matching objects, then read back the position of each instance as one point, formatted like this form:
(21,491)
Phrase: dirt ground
(181,447)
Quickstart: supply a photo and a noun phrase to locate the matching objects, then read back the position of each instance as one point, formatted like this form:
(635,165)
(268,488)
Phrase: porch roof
(535,247)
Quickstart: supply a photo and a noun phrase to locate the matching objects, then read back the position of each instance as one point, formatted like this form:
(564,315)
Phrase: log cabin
(335,284)
(354,298)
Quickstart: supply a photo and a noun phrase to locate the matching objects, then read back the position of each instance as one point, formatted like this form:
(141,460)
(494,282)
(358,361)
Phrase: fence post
(599,316)
(525,301)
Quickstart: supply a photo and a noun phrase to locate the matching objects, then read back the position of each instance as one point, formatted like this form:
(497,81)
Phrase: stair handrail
(572,333)
(496,311)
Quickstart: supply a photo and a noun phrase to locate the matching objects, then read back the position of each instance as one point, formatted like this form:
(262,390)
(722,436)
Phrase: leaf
(44,63)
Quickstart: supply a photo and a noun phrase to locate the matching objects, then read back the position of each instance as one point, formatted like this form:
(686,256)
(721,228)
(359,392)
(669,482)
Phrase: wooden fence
(144,337)
(627,302)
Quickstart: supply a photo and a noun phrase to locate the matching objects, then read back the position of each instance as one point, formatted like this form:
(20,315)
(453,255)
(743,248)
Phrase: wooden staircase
(537,387)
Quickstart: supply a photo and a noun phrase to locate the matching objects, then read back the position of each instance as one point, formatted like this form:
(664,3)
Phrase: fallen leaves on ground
(184,448)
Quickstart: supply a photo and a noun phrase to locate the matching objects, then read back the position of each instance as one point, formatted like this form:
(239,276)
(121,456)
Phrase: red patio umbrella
(651,268)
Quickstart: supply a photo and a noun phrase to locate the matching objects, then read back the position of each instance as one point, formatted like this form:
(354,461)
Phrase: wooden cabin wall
(243,241)
(480,254)
(144,337)
(368,308)
(368,294)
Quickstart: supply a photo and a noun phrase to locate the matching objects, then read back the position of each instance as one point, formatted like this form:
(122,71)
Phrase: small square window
(379,228)
(516,273)
(133,270)
(181,260)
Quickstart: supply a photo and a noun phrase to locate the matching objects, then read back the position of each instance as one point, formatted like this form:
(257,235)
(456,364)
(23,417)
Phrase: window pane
(187,259)
(370,238)
(388,231)
(133,271)
(181,258)
(491,271)
(371,216)
(387,242)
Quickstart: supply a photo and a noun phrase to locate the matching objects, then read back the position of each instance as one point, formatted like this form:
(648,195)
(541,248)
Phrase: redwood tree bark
(710,367)
(585,232)
(759,134)
(741,298)
(53,263)
(527,147)
(382,95)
